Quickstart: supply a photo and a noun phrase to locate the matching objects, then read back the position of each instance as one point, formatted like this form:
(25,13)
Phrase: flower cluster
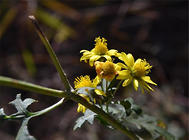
(127,71)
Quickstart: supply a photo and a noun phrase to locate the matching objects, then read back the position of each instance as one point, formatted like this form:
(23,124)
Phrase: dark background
(155,30)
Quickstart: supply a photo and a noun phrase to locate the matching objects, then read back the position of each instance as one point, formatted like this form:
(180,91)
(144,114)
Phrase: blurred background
(154,30)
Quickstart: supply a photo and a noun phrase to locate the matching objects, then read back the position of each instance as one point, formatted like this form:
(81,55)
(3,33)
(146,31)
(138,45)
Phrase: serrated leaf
(20,105)
(116,110)
(143,125)
(150,124)
(28,102)
(88,116)
(23,133)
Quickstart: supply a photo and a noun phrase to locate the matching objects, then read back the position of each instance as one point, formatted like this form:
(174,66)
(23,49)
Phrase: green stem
(5,81)
(46,110)
(52,54)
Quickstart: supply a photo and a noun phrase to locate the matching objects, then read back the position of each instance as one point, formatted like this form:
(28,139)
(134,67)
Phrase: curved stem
(38,113)
(5,81)
(52,54)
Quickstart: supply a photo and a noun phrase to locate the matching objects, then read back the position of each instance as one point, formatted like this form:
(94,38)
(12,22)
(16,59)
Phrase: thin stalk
(5,81)
(46,110)
(52,54)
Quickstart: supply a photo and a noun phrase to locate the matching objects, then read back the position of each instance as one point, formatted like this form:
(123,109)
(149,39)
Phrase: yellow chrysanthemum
(87,82)
(106,70)
(83,82)
(135,71)
(82,108)
(100,51)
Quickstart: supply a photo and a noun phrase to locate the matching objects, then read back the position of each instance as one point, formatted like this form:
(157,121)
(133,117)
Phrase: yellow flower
(83,82)
(86,82)
(106,70)
(82,108)
(99,51)
(135,71)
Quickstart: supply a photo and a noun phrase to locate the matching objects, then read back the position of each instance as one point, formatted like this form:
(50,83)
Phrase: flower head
(99,51)
(135,71)
(85,81)
(106,70)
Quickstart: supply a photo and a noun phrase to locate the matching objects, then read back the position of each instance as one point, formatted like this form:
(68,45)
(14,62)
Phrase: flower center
(100,46)
(83,82)
(141,68)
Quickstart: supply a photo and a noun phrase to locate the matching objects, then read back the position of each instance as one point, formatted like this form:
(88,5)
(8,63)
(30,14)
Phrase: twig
(51,53)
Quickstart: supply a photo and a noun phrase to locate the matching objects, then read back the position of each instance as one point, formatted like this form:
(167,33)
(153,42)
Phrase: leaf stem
(51,53)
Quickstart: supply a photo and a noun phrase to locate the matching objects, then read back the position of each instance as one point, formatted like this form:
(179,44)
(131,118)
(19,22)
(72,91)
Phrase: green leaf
(131,115)
(88,116)
(150,124)
(21,106)
(23,133)
(22,113)
(116,110)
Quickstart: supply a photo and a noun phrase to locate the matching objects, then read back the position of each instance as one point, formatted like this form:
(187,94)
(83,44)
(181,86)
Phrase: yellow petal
(92,59)
(129,60)
(127,82)
(146,86)
(96,81)
(122,65)
(99,92)
(86,55)
(112,52)
(107,57)
(117,67)
(122,56)
(81,108)
(149,87)
(83,51)
(148,80)
(135,84)
(124,74)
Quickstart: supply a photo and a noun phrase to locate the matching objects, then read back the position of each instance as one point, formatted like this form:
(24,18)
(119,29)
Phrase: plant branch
(51,53)
(5,81)
(38,113)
